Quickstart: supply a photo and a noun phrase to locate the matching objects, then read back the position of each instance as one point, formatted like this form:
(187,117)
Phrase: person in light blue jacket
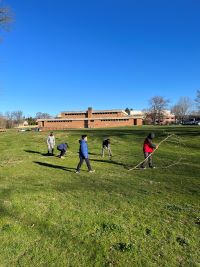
(83,154)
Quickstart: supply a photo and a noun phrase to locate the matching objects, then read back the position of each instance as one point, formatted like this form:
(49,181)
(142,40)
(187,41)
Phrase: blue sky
(68,55)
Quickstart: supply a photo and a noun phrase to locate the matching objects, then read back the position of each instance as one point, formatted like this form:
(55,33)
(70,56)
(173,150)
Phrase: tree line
(184,109)
(16,118)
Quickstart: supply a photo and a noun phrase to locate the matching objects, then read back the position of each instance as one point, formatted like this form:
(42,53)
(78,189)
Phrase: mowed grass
(50,216)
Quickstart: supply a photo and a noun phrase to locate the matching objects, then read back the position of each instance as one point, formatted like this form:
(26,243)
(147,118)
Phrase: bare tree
(197,100)
(2,121)
(9,119)
(42,115)
(157,106)
(17,117)
(182,109)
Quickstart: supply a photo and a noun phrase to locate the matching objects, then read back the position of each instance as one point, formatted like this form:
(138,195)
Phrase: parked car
(191,122)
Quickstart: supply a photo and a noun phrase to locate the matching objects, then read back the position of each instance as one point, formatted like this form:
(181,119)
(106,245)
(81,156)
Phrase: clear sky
(71,54)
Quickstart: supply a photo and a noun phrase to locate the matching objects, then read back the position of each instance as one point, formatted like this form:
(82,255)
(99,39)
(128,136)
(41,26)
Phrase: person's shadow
(55,166)
(109,161)
(37,152)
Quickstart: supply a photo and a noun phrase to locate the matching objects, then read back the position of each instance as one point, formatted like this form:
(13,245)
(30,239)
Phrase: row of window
(100,113)
(115,120)
(96,113)
(61,121)
(77,114)
(90,120)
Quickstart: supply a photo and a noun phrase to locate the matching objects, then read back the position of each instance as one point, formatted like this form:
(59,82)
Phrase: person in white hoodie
(51,143)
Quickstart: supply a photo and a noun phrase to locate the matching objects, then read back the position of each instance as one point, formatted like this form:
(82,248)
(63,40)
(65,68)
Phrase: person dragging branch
(148,148)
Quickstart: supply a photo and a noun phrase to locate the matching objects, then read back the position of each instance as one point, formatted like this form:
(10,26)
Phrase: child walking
(83,154)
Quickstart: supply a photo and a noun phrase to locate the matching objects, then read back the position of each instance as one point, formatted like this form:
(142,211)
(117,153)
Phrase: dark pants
(50,152)
(62,152)
(150,162)
(81,162)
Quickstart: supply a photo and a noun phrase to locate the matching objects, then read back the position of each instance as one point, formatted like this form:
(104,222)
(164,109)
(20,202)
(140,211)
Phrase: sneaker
(62,157)
(77,171)
(142,168)
(91,171)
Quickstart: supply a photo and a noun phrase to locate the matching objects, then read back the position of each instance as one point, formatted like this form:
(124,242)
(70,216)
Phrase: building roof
(95,111)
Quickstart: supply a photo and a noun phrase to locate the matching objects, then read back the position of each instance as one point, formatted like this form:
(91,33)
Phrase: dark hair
(151,136)
(83,136)
(67,145)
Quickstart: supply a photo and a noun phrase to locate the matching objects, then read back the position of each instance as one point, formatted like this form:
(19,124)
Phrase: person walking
(83,155)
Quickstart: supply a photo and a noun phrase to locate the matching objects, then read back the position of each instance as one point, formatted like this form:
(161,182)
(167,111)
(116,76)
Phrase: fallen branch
(151,153)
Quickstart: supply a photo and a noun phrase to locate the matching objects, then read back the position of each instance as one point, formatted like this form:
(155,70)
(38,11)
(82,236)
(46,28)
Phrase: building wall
(109,123)
(101,123)
(61,124)
(108,114)
(73,115)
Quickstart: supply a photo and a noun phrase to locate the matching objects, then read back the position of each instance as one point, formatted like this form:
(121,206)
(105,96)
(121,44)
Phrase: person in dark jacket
(83,154)
(106,146)
(63,149)
(148,148)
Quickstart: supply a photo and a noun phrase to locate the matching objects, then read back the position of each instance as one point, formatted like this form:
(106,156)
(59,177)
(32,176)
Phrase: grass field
(51,216)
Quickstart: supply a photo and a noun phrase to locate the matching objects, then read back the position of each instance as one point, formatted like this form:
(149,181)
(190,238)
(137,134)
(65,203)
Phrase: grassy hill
(50,216)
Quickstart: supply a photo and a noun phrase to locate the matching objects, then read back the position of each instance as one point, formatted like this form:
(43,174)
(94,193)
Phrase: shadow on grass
(55,166)
(94,154)
(37,152)
(109,161)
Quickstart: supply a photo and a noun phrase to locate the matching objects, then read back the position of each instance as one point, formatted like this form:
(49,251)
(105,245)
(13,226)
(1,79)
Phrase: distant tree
(9,119)
(197,100)
(2,121)
(128,110)
(157,106)
(147,118)
(13,118)
(17,117)
(41,115)
(182,109)
(31,121)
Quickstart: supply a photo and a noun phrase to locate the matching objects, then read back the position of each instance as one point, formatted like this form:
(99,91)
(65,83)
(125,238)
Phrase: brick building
(90,119)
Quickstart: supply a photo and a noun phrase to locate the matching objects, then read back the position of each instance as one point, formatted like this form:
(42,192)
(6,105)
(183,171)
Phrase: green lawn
(51,216)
